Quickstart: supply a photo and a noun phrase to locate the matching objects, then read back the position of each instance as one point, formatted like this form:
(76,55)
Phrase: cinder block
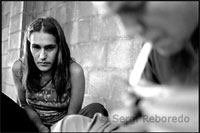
(7,74)
(6,6)
(48,13)
(84,30)
(45,13)
(120,54)
(5,33)
(85,9)
(71,11)
(97,25)
(11,92)
(4,47)
(92,99)
(9,77)
(86,73)
(60,3)
(65,13)
(137,46)
(112,105)
(4,74)
(15,41)
(17,7)
(5,20)
(118,80)
(12,56)
(106,29)
(110,28)
(50,4)
(26,22)
(91,55)
(4,61)
(61,14)
(67,28)
(30,7)
(99,84)
(3,87)
(113,82)
(52,12)
(16,23)
(40,6)
(74,34)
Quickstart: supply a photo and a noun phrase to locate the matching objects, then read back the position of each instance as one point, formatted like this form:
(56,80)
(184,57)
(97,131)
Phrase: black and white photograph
(100,66)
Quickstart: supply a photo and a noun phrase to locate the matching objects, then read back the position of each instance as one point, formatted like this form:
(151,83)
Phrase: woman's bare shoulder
(17,66)
(76,69)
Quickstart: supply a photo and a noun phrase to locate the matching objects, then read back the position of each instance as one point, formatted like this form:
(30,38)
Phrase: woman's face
(44,49)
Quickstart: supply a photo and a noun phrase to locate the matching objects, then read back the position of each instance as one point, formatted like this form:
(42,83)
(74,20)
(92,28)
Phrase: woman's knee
(97,107)
(93,108)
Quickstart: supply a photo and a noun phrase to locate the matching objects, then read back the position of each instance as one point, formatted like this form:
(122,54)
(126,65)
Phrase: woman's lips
(44,63)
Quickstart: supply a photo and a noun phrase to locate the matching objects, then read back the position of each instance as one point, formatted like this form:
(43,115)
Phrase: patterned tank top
(46,104)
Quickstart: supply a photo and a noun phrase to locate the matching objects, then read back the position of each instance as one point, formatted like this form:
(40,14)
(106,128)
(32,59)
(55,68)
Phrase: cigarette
(140,64)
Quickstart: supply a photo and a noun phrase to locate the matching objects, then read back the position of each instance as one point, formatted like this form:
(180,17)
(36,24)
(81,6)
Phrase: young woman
(50,84)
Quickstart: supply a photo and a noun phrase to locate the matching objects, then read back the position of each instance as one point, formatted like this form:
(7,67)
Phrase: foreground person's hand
(169,108)
(43,129)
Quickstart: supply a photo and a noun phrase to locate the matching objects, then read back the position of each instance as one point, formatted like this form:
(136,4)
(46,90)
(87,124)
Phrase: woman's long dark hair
(61,74)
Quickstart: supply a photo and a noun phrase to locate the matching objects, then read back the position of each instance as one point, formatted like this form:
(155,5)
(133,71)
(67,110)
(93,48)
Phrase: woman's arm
(78,88)
(21,95)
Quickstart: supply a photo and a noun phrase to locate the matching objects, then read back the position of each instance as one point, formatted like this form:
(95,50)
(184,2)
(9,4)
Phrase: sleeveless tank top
(45,102)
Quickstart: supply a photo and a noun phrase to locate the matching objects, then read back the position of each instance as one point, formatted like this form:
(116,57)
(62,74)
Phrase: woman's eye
(50,48)
(35,47)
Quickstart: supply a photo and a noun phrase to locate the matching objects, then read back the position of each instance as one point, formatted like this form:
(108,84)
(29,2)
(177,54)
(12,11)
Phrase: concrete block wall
(12,30)
(98,45)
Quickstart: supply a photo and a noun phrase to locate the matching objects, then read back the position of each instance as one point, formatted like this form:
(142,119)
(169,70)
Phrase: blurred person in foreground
(169,84)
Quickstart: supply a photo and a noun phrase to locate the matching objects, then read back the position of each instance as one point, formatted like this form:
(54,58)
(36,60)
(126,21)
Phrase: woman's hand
(43,128)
